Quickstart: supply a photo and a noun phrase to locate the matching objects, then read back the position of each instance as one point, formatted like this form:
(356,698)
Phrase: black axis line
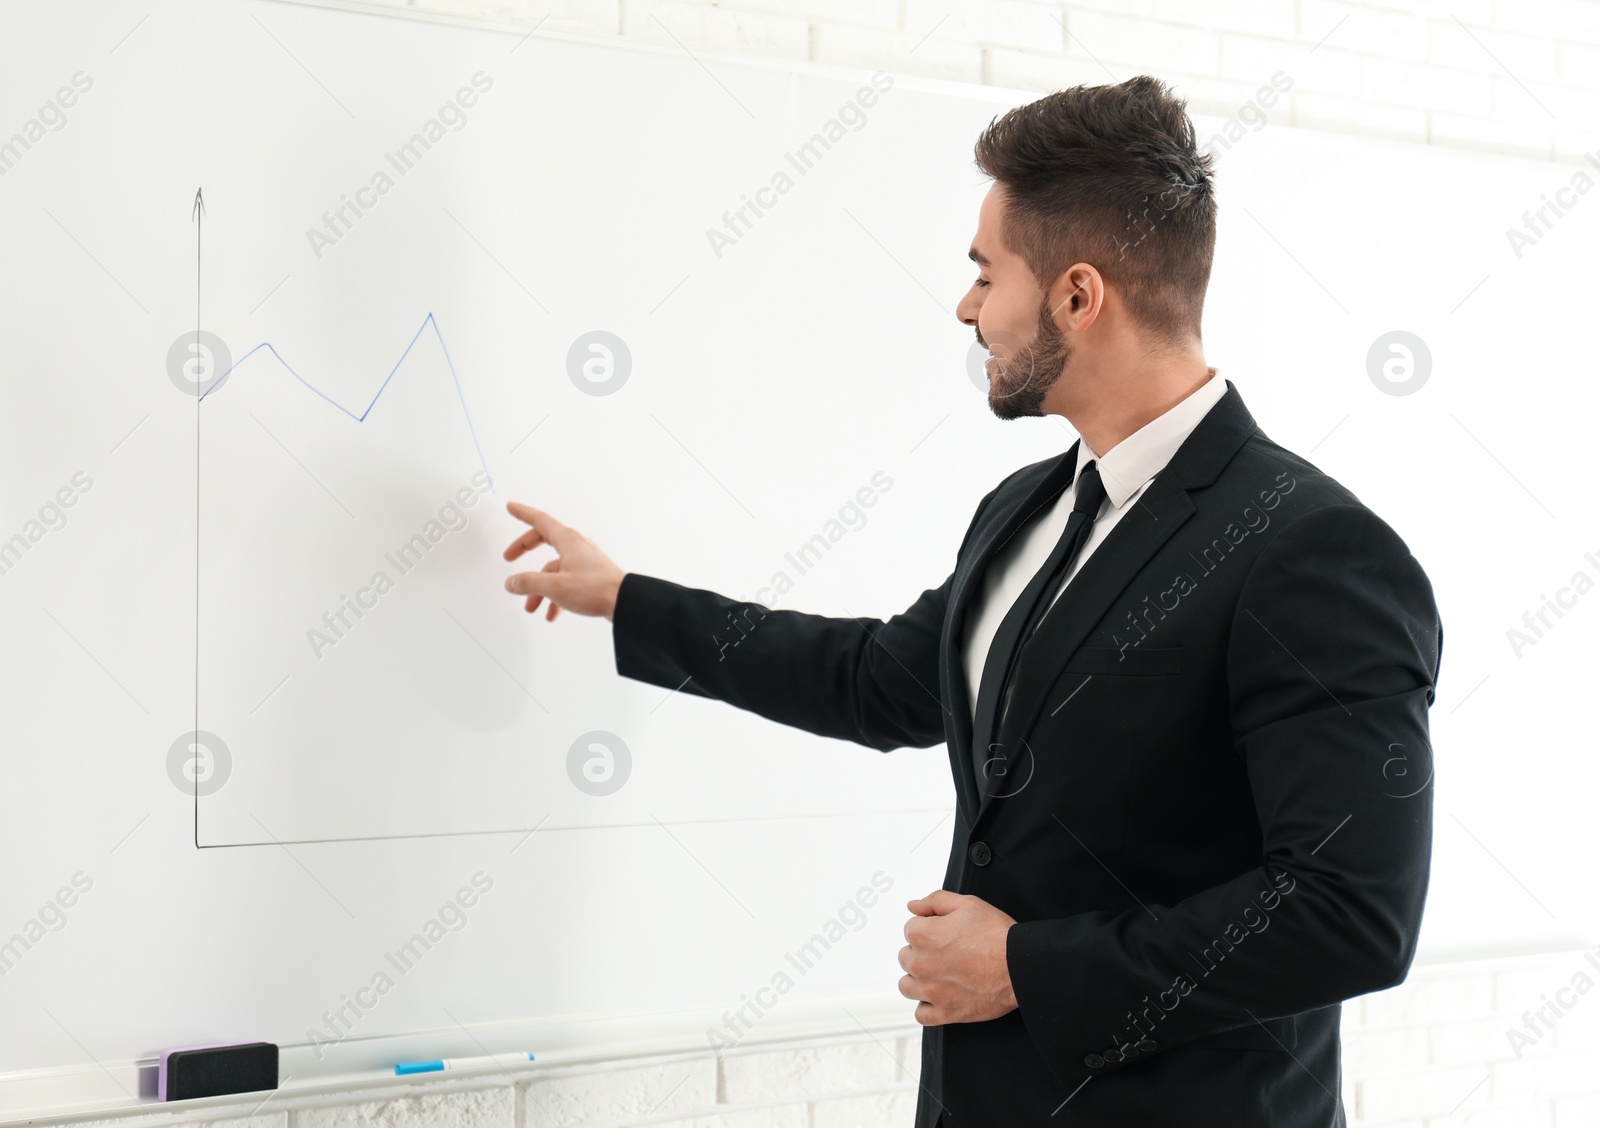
(197,214)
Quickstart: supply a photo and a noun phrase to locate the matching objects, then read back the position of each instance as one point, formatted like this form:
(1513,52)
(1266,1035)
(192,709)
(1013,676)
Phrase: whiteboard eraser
(217,1071)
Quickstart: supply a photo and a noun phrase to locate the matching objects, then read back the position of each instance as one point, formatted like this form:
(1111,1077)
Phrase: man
(1182,674)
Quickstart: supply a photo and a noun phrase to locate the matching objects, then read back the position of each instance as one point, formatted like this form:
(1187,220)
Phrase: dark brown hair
(1110,175)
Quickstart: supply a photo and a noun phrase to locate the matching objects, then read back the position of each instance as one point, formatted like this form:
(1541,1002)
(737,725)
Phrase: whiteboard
(537,307)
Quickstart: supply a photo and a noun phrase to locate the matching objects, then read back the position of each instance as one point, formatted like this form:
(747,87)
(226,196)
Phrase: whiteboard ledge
(363,1068)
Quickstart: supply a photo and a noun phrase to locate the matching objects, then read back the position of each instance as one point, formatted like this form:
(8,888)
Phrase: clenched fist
(955,959)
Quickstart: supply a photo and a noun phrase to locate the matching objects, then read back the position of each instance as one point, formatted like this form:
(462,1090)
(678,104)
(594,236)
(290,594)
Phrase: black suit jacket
(1217,815)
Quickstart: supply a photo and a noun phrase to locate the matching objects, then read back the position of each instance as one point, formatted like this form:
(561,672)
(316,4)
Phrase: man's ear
(1076,297)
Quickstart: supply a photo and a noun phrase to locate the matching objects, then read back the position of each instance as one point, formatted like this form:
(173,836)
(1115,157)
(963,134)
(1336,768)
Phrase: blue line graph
(362,417)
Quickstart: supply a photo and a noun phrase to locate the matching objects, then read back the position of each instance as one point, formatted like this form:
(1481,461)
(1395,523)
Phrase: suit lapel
(996,532)
(1156,516)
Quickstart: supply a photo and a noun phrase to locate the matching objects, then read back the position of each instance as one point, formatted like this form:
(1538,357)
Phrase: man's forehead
(986,243)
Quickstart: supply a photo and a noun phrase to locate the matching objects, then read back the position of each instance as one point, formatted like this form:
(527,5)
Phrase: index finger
(542,531)
(937,903)
(527,542)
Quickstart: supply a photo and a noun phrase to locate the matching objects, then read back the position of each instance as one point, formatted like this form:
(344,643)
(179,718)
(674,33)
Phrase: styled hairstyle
(1110,175)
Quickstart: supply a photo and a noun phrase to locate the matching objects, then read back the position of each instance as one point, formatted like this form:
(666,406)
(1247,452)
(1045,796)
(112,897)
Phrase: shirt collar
(1126,467)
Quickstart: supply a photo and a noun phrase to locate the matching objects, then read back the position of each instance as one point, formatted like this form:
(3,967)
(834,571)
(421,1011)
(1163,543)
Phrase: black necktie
(1020,621)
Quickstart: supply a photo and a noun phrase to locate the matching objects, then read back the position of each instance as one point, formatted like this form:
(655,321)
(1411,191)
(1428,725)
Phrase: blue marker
(439,1066)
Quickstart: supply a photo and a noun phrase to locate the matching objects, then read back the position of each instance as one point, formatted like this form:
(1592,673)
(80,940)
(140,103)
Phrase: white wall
(1512,76)
(1502,75)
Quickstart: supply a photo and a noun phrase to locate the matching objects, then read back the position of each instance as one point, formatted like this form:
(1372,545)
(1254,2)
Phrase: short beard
(1018,388)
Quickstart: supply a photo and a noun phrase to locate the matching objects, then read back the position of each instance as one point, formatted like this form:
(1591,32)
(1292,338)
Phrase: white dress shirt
(1126,470)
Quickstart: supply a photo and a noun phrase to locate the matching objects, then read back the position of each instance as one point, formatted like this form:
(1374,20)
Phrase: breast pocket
(1132,660)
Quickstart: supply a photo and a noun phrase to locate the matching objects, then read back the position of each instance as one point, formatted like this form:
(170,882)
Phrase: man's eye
(980,282)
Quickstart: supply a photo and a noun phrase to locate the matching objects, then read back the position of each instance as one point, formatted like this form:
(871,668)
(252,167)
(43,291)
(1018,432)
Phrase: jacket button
(1112,1055)
(979,853)
(1094,1061)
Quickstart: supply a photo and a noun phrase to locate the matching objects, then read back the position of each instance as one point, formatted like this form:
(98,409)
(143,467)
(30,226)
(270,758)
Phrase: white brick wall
(1509,76)
(1436,1051)
(1512,76)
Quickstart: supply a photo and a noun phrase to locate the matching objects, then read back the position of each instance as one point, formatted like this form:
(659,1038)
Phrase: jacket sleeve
(1332,657)
(870,681)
